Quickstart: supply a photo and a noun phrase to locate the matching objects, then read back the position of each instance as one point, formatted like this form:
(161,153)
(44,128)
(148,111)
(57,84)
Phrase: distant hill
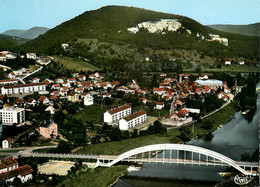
(11,43)
(251,30)
(104,33)
(27,34)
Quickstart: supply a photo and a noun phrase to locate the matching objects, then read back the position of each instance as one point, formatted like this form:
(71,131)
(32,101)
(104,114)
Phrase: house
(203,77)
(48,129)
(79,90)
(163,75)
(53,98)
(88,100)
(159,106)
(227,62)
(178,116)
(50,109)
(81,77)
(12,75)
(31,55)
(227,90)
(12,115)
(73,97)
(56,86)
(133,120)
(6,143)
(117,114)
(31,101)
(72,80)
(159,91)
(8,164)
(35,80)
(222,95)
(44,100)
(143,100)
(24,173)
(241,62)
(108,95)
(95,76)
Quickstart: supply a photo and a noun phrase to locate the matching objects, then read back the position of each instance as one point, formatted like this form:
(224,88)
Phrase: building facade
(116,114)
(25,88)
(12,115)
(49,129)
(135,119)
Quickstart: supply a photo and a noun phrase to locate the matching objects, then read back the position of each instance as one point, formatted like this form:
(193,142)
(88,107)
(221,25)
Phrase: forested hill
(251,29)
(109,24)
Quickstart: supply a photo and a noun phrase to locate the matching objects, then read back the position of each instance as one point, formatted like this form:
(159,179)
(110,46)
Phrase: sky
(24,14)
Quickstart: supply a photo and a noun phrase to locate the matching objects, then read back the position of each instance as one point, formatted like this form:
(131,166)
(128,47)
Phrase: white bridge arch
(180,147)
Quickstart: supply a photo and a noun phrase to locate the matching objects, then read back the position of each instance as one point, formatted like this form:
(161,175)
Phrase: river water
(232,139)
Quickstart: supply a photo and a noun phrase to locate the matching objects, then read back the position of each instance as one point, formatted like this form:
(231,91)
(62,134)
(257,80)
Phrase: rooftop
(135,115)
(119,109)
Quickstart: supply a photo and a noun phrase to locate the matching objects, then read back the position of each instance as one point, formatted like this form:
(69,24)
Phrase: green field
(234,68)
(118,147)
(99,177)
(75,64)
(92,113)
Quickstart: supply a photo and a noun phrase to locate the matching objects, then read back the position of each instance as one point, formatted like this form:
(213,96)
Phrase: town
(35,111)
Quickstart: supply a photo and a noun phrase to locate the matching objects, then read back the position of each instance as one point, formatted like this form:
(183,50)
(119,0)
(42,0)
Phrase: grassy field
(75,64)
(91,113)
(101,177)
(118,147)
(234,68)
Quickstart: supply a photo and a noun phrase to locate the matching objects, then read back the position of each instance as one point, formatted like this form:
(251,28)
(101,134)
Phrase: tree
(134,134)
(17,181)
(207,124)
(185,133)
(64,147)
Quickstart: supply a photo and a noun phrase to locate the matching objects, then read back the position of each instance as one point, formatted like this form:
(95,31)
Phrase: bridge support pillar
(177,157)
(170,156)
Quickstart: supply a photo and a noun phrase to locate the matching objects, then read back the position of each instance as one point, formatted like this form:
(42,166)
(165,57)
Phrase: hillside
(251,30)
(10,43)
(103,33)
(28,34)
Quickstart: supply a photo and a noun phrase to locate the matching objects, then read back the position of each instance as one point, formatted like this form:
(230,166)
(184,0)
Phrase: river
(232,139)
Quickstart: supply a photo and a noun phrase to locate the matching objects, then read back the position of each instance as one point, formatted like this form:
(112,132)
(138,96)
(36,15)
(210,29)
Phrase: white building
(24,88)
(241,62)
(11,115)
(159,106)
(117,114)
(31,55)
(211,83)
(135,119)
(227,62)
(6,143)
(8,81)
(88,100)
(24,173)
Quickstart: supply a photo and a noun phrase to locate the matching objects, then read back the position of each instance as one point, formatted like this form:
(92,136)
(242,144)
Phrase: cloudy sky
(24,14)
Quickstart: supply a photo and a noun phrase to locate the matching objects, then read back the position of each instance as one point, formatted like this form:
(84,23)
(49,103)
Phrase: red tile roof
(119,109)
(25,85)
(23,170)
(8,162)
(135,115)
(42,98)
(9,80)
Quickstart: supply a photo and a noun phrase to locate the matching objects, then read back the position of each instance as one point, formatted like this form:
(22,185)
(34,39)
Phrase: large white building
(116,114)
(12,115)
(24,88)
(135,119)
(211,83)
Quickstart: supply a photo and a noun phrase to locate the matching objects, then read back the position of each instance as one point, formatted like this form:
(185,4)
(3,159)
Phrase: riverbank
(172,136)
(101,177)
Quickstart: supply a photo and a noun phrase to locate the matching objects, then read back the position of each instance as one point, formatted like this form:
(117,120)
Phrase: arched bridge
(176,153)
